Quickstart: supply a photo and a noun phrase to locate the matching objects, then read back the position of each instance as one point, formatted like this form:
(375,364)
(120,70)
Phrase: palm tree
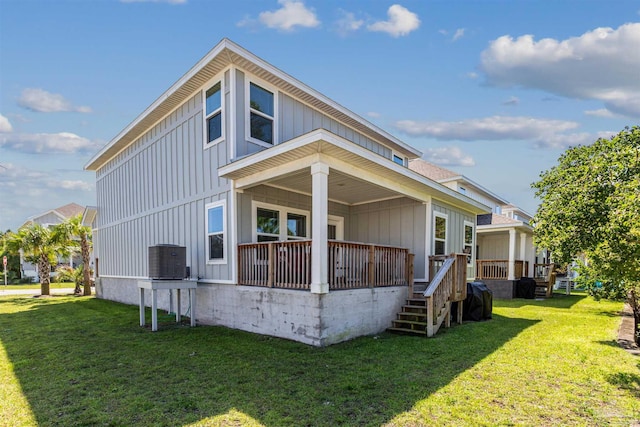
(76,229)
(40,245)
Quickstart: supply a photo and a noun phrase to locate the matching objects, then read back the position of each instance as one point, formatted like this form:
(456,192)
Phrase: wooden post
(270,264)
(430,316)
(409,273)
(372,265)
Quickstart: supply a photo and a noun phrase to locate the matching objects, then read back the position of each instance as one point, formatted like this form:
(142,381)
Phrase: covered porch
(319,182)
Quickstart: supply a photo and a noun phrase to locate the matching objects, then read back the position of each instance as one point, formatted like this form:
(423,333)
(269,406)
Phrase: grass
(84,361)
(20,287)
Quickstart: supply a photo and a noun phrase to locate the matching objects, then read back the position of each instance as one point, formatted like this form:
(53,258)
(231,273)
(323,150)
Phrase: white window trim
(446,232)
(225,240)
(338,221)
(248,110)
(473,240)
(282,219)
(205,128)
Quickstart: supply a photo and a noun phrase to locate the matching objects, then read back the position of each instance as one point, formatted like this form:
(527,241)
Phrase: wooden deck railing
(448,283)
(498,269)
(351,265)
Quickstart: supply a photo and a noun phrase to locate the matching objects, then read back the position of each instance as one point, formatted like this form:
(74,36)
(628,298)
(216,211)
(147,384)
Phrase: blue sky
(495,90)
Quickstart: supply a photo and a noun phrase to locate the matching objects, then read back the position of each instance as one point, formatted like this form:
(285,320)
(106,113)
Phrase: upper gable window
(399,160)
(213,112)
(262,113)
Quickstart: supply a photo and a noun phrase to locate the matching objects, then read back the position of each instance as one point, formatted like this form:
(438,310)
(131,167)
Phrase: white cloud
(602,112)
(26,192)
(601,64)
(74,185)
(374,114)
(562,141)
(458,34)
(5,125)
(448,156)
(401,22)
(45,102)
(472,75)
(48,143)
(487,129)
(292,14)
(347,23)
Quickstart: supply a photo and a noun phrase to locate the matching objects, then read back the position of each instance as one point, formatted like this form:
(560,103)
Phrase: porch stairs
(427,310)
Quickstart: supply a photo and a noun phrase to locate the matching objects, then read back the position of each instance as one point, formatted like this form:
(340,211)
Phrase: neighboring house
(503,248)
(298,216)
(48,219)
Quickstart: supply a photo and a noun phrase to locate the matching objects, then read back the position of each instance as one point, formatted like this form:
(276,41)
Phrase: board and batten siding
(155,192)
(294,119)
(455,226)
(398,222)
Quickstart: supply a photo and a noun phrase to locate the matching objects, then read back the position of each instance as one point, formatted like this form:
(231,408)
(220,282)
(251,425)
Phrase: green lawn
(82,361)
(53,285)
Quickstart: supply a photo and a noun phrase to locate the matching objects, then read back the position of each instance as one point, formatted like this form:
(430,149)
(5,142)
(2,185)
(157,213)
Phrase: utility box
(167,262)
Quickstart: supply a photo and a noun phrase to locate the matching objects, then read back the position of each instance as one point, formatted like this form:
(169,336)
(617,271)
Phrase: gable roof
(63,212)
(221,56)
(442,175)
(431,170)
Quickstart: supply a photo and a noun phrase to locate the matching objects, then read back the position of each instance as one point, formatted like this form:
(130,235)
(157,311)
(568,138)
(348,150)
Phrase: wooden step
(404,313)
(409,322)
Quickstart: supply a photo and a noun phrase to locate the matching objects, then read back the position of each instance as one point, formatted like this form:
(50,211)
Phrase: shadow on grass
(83,361)
(558,300)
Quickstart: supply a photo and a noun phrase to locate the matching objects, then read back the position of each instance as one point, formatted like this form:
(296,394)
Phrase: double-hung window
(216,231)
(213,111)
(440,234)
(468,241)
(261,114)
(273,223)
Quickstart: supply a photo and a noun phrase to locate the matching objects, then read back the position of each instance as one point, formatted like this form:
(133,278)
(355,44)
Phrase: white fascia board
(233,47)
(293,81)
(177,85)
(477,186)
(504,227)
(321,135)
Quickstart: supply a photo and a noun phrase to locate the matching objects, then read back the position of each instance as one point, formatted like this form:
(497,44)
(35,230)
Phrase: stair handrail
(435,318)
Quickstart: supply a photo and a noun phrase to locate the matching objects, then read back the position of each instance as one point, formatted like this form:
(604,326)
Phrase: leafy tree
(590,206)
(40,246)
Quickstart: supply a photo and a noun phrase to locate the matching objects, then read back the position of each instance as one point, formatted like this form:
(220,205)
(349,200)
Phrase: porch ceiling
(356,175)
(343,188)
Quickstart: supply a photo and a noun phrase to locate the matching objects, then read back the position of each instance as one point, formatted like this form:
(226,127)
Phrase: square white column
(512,255)
(319,224)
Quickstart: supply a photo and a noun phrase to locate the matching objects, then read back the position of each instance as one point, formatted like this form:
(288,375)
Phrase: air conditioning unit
(167,262)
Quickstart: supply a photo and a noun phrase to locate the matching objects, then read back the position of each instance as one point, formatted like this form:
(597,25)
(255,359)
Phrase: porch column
(523,253)
(319,244)
(512,255)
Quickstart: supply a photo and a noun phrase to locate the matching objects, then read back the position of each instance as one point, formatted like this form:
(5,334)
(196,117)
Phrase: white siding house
(503,248)
(297,215)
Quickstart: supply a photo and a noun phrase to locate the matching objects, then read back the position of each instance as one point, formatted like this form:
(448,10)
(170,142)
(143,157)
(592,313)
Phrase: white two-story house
(300,218)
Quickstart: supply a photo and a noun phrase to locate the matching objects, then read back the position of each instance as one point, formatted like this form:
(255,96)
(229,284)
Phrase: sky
(494,90)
